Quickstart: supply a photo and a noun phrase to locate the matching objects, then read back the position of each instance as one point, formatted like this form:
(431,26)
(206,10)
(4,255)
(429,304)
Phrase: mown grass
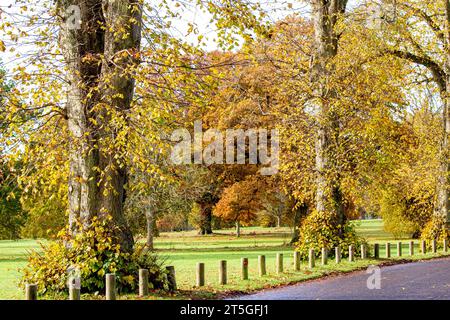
(185,249)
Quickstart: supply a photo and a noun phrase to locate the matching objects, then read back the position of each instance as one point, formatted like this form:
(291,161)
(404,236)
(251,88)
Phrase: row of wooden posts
(110,285)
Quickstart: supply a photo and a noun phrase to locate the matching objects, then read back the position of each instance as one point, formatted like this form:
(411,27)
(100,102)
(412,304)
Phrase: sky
(277,8)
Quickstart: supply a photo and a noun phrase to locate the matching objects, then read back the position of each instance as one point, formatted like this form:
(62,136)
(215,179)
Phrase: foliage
(435,229)
(319,230)
(239,203)
(396,223)
(90,255)
(46,216)
(12,216)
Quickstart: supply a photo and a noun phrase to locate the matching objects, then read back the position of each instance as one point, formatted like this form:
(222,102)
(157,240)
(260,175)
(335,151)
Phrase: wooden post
(171,279)
(279,263)
(388,250)
(363,252)
(324,256)
(223,272)
(200,274)
(143,282)
(376,250)
(262,265)
(433,246)
(31,291)
(296,261)
(337,253)
(445,247)
(399,249)
(350,253)
(312,259)
(411,248)
(110,286)
(74,288)
(244,268)
(423,246)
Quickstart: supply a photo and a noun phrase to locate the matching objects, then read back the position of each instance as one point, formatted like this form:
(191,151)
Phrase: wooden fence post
(337,253)
(143,282)
(279,263)
(262,265)
(350,253)
(324,256)
(296,261)
(363,252)
(244,269)
(110,286)
(223,272)
(312,259)
(445,247)
(399,249)
(200,274)
(433,246)
(376,250)
(388,250)
(411,248)
(74,288)
(171,279)
(423,247)
(31,291)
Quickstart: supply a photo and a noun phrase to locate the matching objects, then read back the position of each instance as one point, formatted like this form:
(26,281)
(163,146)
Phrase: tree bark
(151,228)
(95,64)
(299,212)
(443,204)
(205,218)
(238,229)
(206,202)
(328,194)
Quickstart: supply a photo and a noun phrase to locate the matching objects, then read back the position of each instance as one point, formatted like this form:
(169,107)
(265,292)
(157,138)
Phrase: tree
(326,15)
(100,56)
(12,216)
(420,34)
(239,203)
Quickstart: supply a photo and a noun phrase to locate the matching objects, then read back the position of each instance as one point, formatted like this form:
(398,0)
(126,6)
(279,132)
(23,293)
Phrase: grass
(185,249)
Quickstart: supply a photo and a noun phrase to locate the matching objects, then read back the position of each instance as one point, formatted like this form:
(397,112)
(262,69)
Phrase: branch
(434,67)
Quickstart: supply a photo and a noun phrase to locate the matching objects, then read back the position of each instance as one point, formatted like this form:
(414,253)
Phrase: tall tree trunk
(328,195)
(151,228)
(205,218)
(238,229)
(278,221)
(98,83)
(299,212)
(206,202)
(443,204)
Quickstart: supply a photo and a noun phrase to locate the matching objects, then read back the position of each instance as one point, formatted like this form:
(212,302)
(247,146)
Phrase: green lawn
(185,249)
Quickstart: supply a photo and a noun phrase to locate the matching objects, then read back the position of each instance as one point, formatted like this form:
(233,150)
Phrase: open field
(185,249)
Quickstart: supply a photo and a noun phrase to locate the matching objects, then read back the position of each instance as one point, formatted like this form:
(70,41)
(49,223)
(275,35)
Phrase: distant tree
(12,216)
(239,203)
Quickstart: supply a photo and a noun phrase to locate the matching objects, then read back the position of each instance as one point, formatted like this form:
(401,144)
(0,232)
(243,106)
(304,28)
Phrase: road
(418,280)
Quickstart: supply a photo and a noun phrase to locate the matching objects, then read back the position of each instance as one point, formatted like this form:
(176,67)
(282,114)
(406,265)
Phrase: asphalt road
(418,280)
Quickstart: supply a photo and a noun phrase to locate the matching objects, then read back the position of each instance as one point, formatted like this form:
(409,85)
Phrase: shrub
(435,229)
(318,231)
(90,254)
(397,224)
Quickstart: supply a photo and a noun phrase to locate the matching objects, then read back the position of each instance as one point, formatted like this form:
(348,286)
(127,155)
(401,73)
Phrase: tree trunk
(442,203)
(238,229)
(98,84)
(205,218)
(206,202)
(152,230)
(278,221)
(328,194)
(300,212)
